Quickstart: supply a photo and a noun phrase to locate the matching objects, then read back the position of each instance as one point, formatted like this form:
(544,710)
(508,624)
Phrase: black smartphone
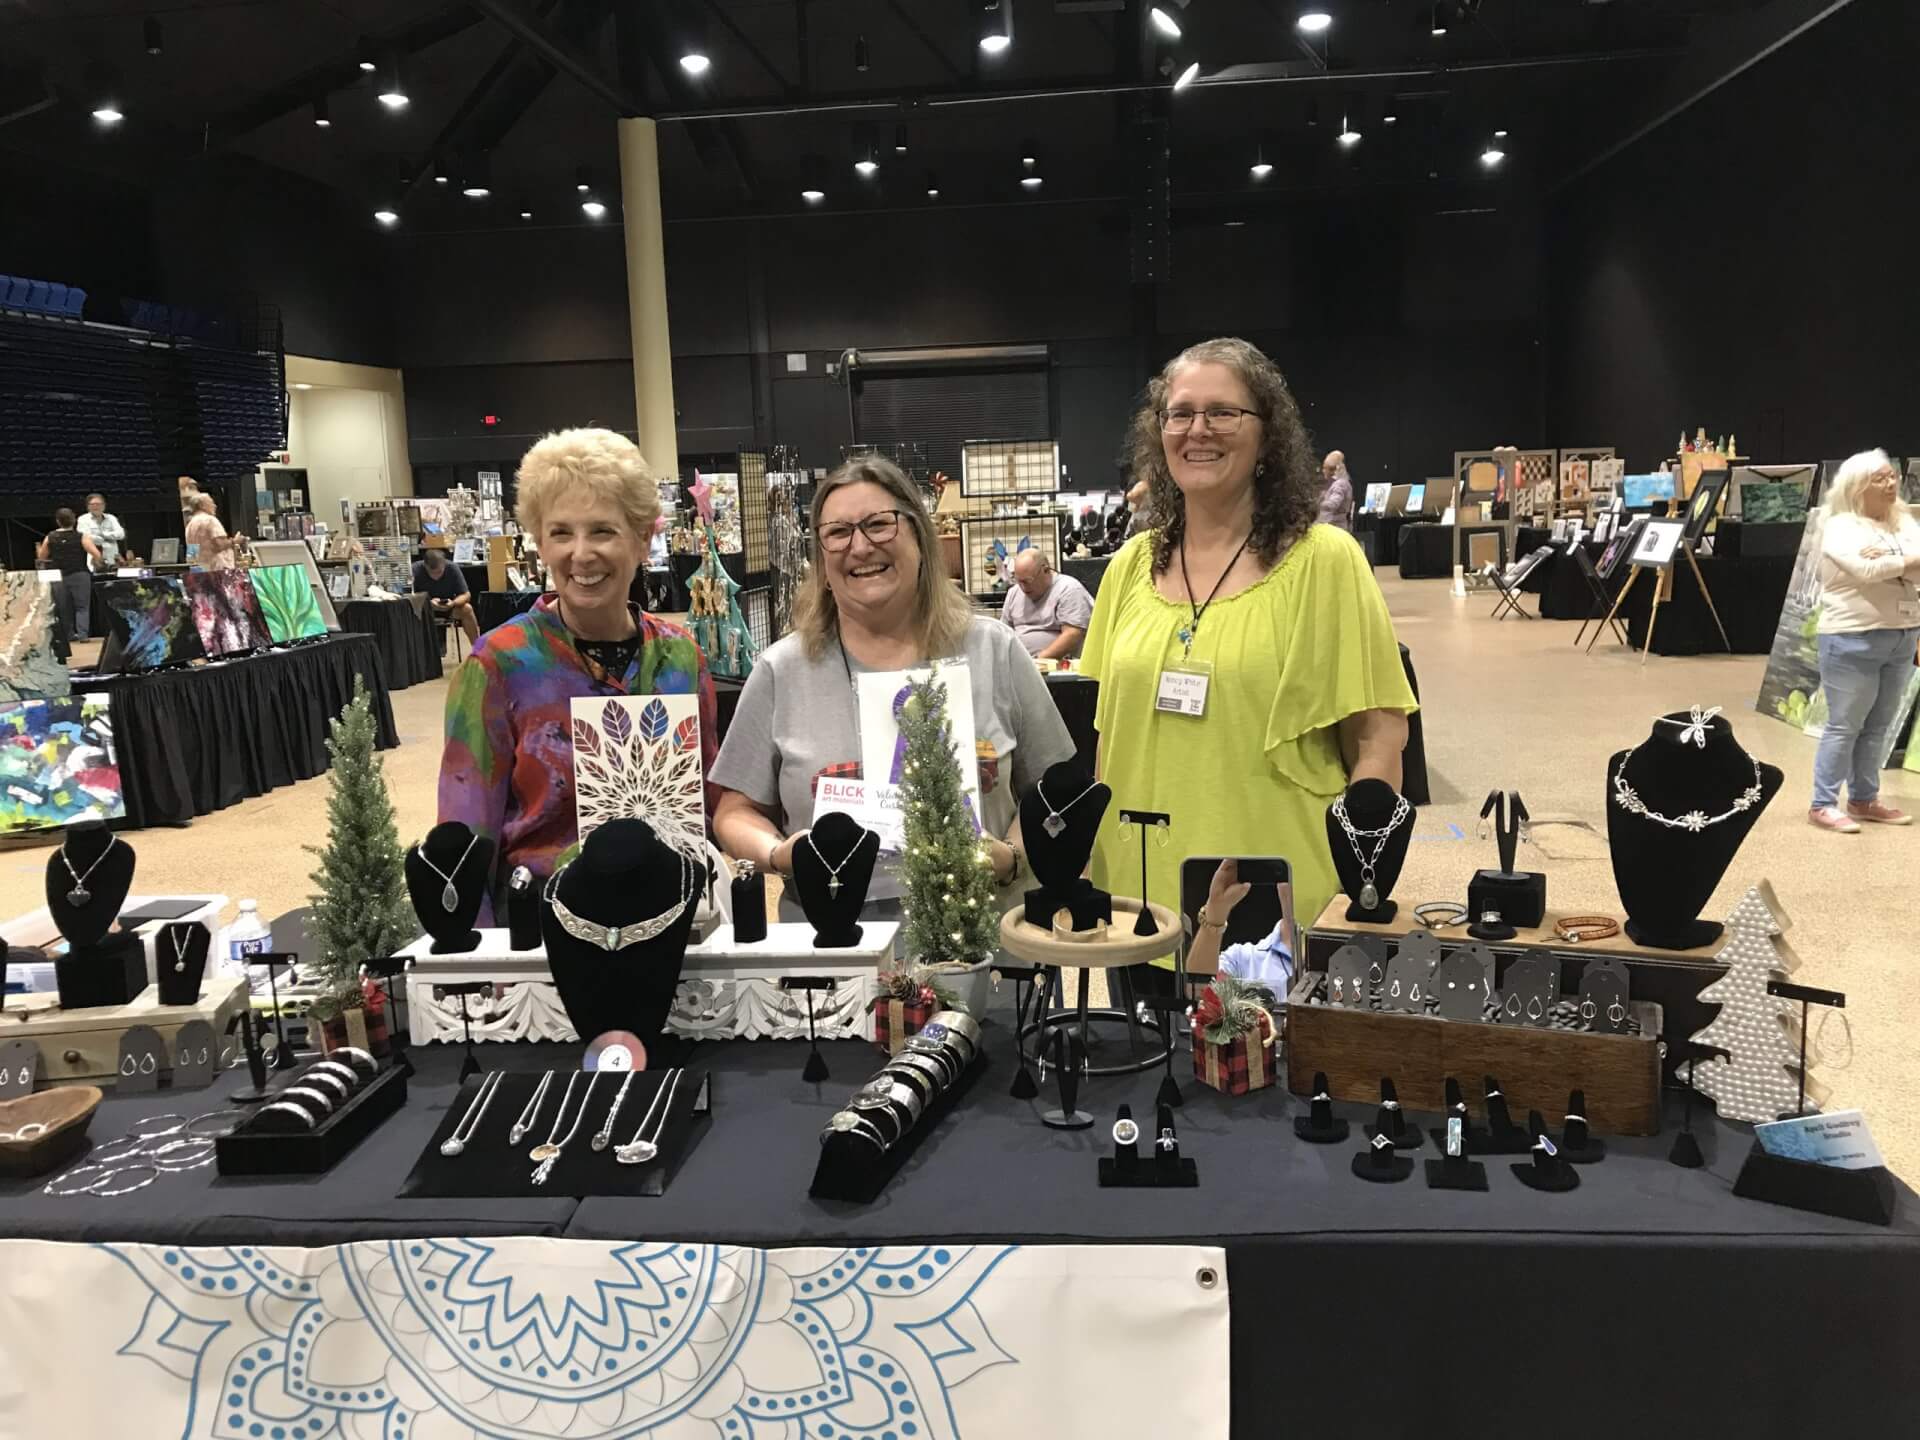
(1268,903)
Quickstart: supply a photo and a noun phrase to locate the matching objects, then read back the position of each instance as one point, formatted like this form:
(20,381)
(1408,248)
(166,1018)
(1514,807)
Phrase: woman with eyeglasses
(1248,670)
(1869,623)
(874,598)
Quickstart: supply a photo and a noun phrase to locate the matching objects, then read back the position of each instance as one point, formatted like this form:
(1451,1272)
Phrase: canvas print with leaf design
(639,756)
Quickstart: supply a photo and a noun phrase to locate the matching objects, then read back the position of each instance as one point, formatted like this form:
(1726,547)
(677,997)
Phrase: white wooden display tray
(728,990)
(36,924)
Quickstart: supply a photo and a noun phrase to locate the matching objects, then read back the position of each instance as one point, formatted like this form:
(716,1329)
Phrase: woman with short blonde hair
(587,502)
(1869,625)
(874,598)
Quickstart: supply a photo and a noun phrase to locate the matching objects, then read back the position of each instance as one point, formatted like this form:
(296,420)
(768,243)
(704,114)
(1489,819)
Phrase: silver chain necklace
(549,1152)
(605,1132)
(1369,893)
(1053,824)
(833,871)
(449,897)
(532,1111)
(1694,820)
(179,950)
(476,1112)
(79,894)
(643,1147)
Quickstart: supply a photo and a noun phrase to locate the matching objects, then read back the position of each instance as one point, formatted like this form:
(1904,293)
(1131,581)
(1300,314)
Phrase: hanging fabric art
(719,627)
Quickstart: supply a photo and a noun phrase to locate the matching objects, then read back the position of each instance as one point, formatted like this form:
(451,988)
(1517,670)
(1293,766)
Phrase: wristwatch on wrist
(1203,919)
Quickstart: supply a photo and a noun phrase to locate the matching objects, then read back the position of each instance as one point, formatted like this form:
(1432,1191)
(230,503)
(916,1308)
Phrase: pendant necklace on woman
(79,894)
(1187,632)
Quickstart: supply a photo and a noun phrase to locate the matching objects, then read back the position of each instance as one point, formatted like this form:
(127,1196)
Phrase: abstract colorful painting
(638,756)
(152,625)
(29,669)
(226,612)
(57,764)
(286,600)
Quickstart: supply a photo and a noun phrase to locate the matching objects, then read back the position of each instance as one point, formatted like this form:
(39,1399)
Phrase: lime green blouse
(1292,655)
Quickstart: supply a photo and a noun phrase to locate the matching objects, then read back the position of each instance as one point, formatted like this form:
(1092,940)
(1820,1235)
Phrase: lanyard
(1187,632)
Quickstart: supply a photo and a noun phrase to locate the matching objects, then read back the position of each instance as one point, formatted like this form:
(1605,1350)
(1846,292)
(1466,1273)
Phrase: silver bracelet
(291,1109)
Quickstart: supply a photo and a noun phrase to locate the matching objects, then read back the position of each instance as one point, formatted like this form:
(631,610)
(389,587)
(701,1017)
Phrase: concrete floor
(1507,703)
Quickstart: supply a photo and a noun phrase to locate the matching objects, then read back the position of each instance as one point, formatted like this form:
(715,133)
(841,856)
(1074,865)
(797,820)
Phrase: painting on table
(638,756)
(57,764)
(226,612)
(287,603)
(29,668)
(152,625)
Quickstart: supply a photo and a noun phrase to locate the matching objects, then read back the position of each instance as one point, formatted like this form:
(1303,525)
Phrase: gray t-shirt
(1038,622)
(798,720)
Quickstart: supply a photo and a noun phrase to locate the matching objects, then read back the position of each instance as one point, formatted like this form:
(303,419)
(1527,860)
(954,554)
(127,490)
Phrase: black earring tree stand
(384,969)
(1024,1086)
(1686,1146)
(272,960)
(256,1061)
(1143,923)
(469,1064)
(1515,899)
(815,1069)
(1171,1009)
(1068,1061)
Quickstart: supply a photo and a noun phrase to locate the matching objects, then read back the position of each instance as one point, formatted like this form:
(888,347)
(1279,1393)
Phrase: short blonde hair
(940,612)
(603,462)
(1843,495)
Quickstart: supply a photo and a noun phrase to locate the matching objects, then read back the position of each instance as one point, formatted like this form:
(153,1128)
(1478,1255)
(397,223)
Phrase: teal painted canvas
(286,599)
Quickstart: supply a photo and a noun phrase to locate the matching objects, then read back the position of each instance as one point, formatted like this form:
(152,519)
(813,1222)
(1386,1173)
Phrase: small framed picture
(1658,543)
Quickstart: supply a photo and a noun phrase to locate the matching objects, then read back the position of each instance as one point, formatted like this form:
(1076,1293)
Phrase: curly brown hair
(1285,478)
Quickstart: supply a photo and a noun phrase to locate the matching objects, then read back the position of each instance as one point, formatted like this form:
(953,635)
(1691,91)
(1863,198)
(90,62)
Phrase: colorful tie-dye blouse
(508,767)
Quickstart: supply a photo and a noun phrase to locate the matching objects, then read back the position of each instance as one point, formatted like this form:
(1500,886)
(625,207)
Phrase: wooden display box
(1536,1067)
(83,1046)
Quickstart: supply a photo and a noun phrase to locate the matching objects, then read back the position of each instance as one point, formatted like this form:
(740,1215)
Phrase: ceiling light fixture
(1313,114)
(1186,74)
(696,62)
(995,25)
(476,190)
(526,214)
(1439,21)
(150,33)
(1031,182)
(813,178)
(108,114)
(583,179)
(1391,116)
(1312,22)
(933,186)
(386,216)
(862,57)
(1492,155)
(393,89)
(1349,136)
(440,176)
(320,116)
(900,139)
(1262,167)
(477,184)
(1164,20)
(592,208)
(1499,134)
(866,155)
(302,385)
(367,62)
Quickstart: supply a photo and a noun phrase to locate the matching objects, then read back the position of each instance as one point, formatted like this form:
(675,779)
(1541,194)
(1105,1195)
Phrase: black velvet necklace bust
(625,876)
(1059,860)
(465,867)
(91,851)
(1370,805)
(1665,874)
(832,868)
(180,961)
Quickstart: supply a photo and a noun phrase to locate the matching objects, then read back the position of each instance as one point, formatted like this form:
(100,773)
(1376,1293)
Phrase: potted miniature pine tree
(953,924)
(360,911)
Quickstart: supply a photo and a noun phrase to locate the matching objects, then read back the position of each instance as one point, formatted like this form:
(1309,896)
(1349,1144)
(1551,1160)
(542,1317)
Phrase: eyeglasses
(879,528)
(1221,419)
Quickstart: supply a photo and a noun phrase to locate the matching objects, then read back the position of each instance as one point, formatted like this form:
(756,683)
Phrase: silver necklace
(179,952)
(1694,820)
(532,1111)
(548,1154)
(79,894)
(833,871)
(1053,824)
(449,897)
(1369,893)
(618,937)
(476,1112)
(605,1133)
(638,1150)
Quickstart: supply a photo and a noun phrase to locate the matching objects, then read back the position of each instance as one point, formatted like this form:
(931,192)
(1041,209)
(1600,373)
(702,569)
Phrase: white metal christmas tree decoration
(1758,1079)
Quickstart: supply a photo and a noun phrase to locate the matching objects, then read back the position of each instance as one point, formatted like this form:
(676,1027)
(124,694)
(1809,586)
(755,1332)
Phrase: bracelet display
(1576,928)
(1438,914)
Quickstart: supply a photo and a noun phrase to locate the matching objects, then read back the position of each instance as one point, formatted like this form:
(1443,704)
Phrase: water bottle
(247,935)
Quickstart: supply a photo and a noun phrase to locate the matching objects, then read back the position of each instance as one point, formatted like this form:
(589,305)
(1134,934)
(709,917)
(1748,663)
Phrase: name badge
(1910,608)
(1183,690)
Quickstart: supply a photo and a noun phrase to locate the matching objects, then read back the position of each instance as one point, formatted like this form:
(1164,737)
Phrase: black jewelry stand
(1381,1163)
(112,971)
(182,986)
(1502,1136)
(1577,1143)
(384,969)
(853,1169)
(1024,1086)
(1866,1194)
(832,900)
(1059,861)
(1320,1125)
(447,846)
(748,893)
(272,960)
(523,910)
(1168,1007)
(1519,898)
(1451,1171)
(107,862)
(1165,1168)
(815,1069)
(469,1063)
(1548,1170)
(1686,1146)
(1370,804)
(315,1151)
(1144,924)
(1391,1121)
(1068,1060)
(256,1061)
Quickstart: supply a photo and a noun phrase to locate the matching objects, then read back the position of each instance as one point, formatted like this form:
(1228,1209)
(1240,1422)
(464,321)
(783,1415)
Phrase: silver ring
(1167,1140)
(135,1128)
(1126,1132)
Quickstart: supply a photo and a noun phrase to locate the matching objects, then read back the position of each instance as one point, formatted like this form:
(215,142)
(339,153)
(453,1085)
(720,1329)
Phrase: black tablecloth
(1426,550)
(1671,1290)
(410,643)
(496,607)
(1389,535)
(1089,571)
(193,741)
(1747,593)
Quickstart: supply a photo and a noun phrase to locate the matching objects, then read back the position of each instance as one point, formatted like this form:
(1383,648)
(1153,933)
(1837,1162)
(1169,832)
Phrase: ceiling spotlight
(813,195)
(1349,136)
(933,186)
(1261,167)
(1031,182)
(813,179)
(1439,20)
(583,179)
(477,183)
(1312,22)
(476,190)
(440,176)
(108,114)
(866,155)
(900,139)
(861,56)
(1499,134)
(1391,115)
(867,166)
(151,34)
(393,89)
(1313,114)
(995,25)
(1165,21)
(1186,74)
(526,214)
(695,62)
(592,208)
(320,116)
(367,62)
(1492,155)
(386,216)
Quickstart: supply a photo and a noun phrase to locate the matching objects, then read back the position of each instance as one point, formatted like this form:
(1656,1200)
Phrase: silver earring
(1481,833)
(1535,1009)
(1161,834)
(148,1064)
(127,1066)
(1586,1009)
(1616,1012)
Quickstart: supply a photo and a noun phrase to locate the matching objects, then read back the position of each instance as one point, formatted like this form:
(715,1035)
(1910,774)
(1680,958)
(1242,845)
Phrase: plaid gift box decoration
(895,1022)
(907,1000)
(1234,1037)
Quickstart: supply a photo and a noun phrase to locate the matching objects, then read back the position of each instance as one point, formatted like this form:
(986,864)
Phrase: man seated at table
(446,586)
(1047,610)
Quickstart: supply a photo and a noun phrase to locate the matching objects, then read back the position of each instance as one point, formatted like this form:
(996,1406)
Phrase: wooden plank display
(84,1045)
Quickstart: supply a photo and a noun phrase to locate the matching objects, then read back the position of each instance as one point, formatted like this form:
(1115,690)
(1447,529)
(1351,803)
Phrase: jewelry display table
(36,929)
(83,1046)
(1054,952)
(728,990)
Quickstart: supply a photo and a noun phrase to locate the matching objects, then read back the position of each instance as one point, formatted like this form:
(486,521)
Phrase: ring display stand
(1058,951)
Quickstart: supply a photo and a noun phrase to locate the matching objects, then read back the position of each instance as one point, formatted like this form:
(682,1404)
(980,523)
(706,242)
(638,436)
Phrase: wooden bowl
(1120,946)
(66,1112)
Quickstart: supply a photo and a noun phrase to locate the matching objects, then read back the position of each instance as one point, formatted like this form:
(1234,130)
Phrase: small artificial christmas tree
(360,911)
(1758,1079)
(951,917)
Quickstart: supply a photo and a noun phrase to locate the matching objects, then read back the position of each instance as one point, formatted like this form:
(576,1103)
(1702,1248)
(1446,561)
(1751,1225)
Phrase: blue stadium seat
(56,298)
(37,295)
(17,293)
(76,300)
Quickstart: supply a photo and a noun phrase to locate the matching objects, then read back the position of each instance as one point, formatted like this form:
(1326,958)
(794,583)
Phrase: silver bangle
(940,1054)
(961,1023)
(358,1058)
(303,1094)
(153,1174)
(140,1134)
(912,1065)
(847,1122)
(98,1154)
(228,1120)
(884,1090)
(101,1172)
(291,1109)
(332,1081)
(335,1067)
(169,1156)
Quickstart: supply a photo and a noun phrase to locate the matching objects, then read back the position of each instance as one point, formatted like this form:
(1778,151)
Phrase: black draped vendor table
(492,608)
(196,740)
(410,643)
(1425,550)
(1669,1292)
(1747,594)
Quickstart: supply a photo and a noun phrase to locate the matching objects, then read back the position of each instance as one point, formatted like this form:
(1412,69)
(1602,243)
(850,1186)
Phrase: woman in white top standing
(1869,626)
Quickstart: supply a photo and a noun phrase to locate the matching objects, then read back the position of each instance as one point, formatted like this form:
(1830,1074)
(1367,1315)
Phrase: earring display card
(1347,976)
(1532,989)
(143,1055)
(196,1056)
(19,1069)
(1461,986)
(488,1167)
(1409,983)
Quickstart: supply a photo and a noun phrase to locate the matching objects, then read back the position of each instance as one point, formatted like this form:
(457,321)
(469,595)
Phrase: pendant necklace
(1187,632)
(179,952)
(643,1146)
(1053,824)
(79,894)
(605,1132)
(548,1154)
(449,897)
(833,871)
(1369,893)
(476,1112)
(532,1111)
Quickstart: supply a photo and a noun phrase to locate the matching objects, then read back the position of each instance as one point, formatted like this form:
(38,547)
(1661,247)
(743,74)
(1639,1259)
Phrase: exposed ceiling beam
(717,144)
(745,41)
(918,31)
(562,56)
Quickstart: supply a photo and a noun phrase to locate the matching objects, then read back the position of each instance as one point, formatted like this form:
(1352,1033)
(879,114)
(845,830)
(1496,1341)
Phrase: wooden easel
(1664,582)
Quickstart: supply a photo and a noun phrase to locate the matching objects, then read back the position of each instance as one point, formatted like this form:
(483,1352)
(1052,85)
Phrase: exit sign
(489,419)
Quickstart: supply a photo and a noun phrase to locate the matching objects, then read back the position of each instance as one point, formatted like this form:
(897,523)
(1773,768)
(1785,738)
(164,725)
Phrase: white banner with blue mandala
(527,1339)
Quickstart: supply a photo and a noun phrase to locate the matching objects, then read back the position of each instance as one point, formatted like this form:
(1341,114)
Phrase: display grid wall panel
(756,604)
(753,510)
(1009,467)
(977,537)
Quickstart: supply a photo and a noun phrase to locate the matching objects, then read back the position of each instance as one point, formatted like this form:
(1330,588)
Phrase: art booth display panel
(988,546)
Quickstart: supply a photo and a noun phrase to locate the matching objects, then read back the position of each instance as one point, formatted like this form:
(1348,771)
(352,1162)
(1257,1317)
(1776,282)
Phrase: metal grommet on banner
(1206,1277)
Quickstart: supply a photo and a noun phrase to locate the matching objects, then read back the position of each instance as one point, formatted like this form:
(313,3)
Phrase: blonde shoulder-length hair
(940,612)
(1843,495)
(604,463)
